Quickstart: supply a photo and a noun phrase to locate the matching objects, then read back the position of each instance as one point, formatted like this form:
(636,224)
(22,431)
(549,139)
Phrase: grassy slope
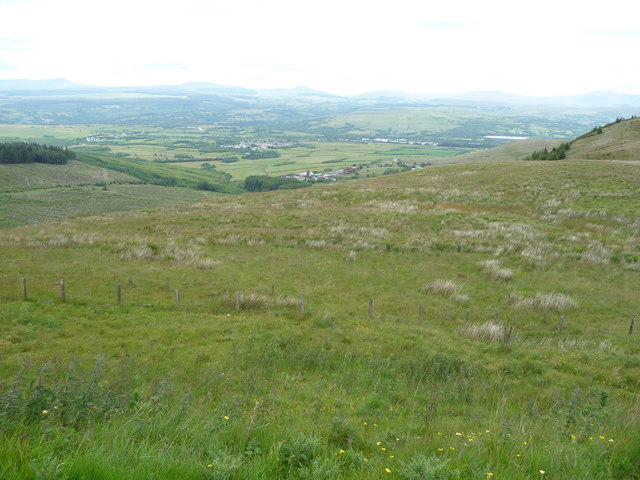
(159,173)
(32,176)
(36,193)
(618,141)
(46,204)
(515,150)
(263,393)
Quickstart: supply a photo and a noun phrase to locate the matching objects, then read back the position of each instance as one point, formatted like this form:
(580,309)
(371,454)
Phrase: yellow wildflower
(387,470)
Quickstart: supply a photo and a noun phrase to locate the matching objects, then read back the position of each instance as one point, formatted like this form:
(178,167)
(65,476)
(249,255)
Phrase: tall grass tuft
(542,301)
(494,271)
(488,331)
(258,300)
(442,287)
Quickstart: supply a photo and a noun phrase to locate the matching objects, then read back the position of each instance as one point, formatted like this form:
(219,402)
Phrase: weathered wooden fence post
(62,292)
(633,320)
(507,333)
(421,313)
(238,301)
(495,317)
(177,297)
(561,323)
(370,307)
(24,288)
(301,305)
(466,319)
(118,294)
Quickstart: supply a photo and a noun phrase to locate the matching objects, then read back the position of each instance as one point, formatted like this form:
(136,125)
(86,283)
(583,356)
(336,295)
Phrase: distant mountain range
(60,86)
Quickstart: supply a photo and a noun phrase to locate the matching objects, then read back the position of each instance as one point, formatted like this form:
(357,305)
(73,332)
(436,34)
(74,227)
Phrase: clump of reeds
(542,301)
(494,271)
(258,300)
(447,288)
(442,287)
(490,331)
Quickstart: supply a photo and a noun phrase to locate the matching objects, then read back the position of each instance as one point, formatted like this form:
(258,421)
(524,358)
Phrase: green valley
(458,321)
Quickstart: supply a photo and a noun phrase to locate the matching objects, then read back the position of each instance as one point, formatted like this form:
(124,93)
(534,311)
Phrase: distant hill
(618,141)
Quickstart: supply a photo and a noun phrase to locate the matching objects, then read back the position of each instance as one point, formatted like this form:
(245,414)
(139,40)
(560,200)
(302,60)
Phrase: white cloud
(547,47)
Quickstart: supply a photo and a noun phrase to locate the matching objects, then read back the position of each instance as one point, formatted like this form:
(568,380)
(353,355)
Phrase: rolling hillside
(34,193)
(459,322)
(618,141)
(31,176)
(514,150)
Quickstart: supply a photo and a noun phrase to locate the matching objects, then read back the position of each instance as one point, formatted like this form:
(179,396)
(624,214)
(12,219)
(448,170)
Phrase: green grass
(32,176)
(33,193)
(161,174)
(149,389)
(618,141)
(47,204)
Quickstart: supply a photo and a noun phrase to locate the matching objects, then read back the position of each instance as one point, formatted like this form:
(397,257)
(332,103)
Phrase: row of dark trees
(260,154)
(556,153)
(22,152)
(264,183)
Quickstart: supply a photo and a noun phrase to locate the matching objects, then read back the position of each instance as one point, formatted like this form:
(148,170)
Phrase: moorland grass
(150,389)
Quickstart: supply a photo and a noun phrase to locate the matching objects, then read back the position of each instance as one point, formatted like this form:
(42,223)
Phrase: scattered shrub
(300,451)
(422,467)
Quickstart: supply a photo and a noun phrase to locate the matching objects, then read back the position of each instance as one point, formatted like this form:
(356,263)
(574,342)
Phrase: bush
(422,467)
(264,183)
(300,451)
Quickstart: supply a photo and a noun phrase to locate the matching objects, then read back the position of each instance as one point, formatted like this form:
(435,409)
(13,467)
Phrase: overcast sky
(542,47)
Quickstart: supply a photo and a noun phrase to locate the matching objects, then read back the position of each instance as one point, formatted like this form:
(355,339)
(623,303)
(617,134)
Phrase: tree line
(556,153)
(264,183)
(23,152)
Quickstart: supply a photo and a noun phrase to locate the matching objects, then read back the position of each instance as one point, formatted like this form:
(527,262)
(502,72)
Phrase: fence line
(508,330)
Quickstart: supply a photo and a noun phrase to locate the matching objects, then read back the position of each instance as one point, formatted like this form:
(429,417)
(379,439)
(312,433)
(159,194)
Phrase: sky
(345,47)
